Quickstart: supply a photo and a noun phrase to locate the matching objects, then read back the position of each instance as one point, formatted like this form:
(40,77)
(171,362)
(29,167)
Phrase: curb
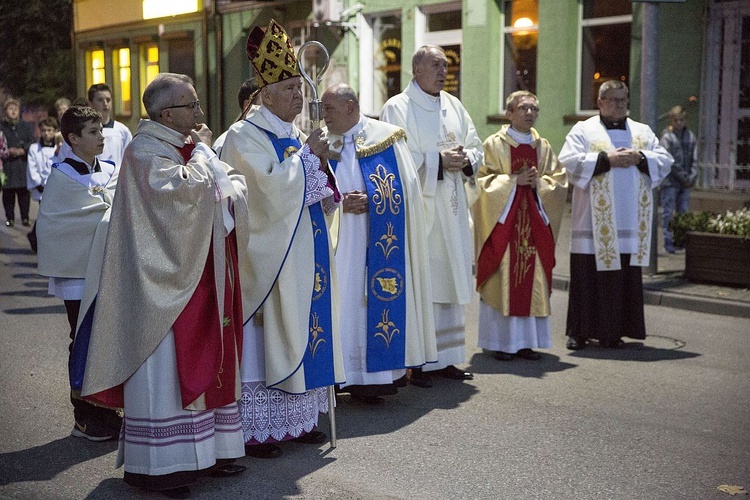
(656,297)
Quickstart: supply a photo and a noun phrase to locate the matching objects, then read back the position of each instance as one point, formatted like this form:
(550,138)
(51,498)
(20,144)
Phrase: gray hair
(157,95)
(611,85)
(421,52)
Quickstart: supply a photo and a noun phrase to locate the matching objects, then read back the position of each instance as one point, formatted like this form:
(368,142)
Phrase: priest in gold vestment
(522,191)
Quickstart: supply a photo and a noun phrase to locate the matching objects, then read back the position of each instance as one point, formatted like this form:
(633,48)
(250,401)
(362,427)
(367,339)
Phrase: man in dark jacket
(19,137)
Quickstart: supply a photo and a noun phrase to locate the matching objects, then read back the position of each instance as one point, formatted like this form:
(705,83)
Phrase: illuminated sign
(165,8)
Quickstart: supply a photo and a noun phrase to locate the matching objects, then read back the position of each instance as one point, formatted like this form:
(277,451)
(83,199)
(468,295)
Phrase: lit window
(387,60)
(95,67)
(122,84)
(604,35)
(149,66)
(521,39)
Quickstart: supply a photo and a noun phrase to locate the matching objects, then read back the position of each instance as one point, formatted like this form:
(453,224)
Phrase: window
(380,60)
(149,66)
(122,84)
(387,63)
(521,36)
(441,25)
(604,39)
(95,67)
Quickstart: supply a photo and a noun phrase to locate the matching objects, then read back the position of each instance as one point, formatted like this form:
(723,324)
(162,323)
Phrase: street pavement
(666,418)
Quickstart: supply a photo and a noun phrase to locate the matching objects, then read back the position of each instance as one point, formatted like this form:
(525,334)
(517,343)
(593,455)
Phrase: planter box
(717,258)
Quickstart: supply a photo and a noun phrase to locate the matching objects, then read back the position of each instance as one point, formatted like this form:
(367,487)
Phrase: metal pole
(649,88)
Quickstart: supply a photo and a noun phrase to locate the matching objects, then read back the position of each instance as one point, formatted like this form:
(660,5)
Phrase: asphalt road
(667,418)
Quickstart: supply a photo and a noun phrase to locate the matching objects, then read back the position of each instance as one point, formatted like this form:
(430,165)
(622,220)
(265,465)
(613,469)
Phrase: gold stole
(603,215)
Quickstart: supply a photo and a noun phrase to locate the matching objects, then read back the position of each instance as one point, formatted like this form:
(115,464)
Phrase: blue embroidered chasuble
(318,358)
(386,263)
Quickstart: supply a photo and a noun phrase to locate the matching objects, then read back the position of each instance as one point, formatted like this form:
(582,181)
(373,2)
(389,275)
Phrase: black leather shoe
(503,356)
(263,450)
(420,378)
(528,354)
(454,373)
(369,400)
(227,470)
(574,344)
(312,437)
(10,223)
(26,222)
(613,344)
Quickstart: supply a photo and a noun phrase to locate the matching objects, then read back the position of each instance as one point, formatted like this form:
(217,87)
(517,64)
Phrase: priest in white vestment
(447,153)
(381,251)
(613,163)
(522,190)
(291,344)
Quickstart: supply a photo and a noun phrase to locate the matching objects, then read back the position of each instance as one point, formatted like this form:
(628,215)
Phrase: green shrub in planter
(731,222)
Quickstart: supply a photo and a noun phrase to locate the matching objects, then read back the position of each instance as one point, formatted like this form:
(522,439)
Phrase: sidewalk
(667,287)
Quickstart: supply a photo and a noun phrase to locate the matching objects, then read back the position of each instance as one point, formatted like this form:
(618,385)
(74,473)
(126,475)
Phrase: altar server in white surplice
(447,152)
(613,164)
(381,251)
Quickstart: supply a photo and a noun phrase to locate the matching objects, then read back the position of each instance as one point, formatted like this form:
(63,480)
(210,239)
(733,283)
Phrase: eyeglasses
(192,105)
(526,108)
(616,100)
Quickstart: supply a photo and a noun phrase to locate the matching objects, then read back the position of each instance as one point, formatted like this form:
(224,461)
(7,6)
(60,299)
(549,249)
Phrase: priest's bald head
(340,108)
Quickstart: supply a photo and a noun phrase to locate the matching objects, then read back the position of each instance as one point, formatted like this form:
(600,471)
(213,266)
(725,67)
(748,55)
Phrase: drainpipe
(649,88)
(219,30)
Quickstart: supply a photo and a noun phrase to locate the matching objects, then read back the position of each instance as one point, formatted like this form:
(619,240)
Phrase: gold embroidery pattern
(289,151)
(640,142)
(390,284)
(599,146)
(385,194)
(320,285)
(644,219)
(525,250)
(389,238)
(605,235)
(387,329)
(316,229)
(382,145)
(315,331)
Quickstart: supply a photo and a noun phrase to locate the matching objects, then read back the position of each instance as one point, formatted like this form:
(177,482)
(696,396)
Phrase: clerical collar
(282,128)
(49,144)
(356,128)
(520,137)
(109,124)
(430,97)
(612,125)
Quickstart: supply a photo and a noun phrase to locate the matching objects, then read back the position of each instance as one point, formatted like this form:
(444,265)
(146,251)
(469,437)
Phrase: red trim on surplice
(527,233)
(206,350)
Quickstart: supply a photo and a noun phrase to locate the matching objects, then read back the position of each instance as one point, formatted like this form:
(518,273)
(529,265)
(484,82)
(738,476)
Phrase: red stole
(207,352)
(528,236)
(186,151)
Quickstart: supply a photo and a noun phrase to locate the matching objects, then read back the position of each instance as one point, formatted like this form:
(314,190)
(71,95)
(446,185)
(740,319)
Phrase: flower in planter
(731,222)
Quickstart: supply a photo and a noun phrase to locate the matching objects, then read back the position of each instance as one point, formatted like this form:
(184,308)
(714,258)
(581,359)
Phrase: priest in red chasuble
(522,190)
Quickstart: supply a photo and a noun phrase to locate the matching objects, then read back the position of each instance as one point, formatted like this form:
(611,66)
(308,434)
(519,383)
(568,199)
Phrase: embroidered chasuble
(523,239)
(317,362)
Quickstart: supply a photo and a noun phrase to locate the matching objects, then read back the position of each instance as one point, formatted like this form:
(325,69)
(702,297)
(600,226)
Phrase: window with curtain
(604,34)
